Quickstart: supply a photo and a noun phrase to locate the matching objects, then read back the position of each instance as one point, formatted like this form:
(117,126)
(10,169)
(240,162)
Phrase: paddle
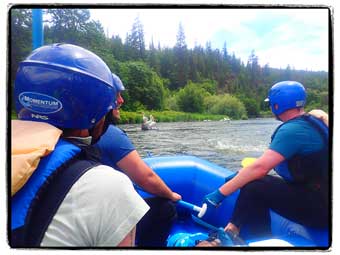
(202,210)
(186,205)
(235,239)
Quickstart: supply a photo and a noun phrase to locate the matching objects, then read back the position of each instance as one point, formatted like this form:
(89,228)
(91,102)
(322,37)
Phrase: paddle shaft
(189,206)
(201,210)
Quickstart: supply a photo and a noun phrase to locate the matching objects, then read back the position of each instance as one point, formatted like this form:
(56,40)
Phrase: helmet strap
(109,120)
(97,131)
(278,118)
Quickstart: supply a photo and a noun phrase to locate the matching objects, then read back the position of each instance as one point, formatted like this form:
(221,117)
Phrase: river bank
(173,116)
(169,116)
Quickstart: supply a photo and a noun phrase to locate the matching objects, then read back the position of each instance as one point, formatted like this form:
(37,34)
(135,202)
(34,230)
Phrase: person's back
(305,148)
(118,151)
(99,210)
(114,145)
(99,206)
(299,154)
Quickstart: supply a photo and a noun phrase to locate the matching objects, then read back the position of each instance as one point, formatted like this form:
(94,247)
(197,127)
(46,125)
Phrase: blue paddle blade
(226,238)
(186,239)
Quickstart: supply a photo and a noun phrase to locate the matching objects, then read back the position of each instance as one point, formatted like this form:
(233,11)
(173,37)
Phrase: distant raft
(148,124)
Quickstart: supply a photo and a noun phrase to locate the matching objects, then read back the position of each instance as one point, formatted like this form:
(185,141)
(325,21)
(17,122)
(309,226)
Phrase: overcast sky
(280,37)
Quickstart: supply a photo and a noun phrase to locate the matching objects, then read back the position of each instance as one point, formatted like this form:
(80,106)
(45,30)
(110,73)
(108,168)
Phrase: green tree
(208,85)
(171,103)
(94,38)
(199,62)
(252,106)
(153,58)
(117,48)
(67,25)
(167,65)
(21,37)
(226,105)
(225,52)
(288,73)
(144,88)
(191,98)
(135,40)
(180,60)
(167,69)
(254,69)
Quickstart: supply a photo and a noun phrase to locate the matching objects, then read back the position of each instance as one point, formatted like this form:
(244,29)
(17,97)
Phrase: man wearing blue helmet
(117,150)
(70,199)
(298,152)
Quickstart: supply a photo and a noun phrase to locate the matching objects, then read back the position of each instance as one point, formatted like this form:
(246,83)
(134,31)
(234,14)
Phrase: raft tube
(193,178)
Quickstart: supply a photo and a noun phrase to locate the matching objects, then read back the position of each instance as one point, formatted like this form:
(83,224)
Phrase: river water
(225,143)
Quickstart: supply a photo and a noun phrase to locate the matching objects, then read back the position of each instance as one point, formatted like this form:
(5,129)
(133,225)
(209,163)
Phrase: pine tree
(136,41)
(153,59)
(181,59)
(254,69)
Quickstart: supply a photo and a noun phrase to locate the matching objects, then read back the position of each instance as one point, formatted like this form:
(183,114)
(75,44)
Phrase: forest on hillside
(196,80)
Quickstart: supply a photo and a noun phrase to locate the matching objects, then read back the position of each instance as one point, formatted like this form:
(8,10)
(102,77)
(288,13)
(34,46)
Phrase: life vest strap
(48,201)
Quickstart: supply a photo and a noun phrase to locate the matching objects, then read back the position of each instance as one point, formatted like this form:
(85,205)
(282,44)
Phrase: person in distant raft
(298,152)
(117,151)
(67,198)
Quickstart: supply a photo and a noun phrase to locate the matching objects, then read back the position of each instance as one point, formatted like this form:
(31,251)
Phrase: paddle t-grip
(201,210)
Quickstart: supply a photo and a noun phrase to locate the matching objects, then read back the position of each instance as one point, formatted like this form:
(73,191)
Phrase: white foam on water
(238,148)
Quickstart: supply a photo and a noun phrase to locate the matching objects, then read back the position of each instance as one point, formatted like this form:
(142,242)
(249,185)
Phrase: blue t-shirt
(114,145)
(296,137)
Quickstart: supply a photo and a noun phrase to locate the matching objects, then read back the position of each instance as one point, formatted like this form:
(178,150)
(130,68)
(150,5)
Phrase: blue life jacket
(34,205)
(312,169)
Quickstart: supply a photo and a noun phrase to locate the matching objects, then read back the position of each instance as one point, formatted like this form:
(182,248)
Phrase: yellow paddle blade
(247,161)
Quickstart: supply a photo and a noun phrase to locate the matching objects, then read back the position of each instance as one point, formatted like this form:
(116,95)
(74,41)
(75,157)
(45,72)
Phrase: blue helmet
(64,85)
(286,95)
(118,83)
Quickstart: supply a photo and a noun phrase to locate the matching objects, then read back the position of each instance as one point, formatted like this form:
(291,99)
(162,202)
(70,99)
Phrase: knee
(252,189)
(162,208)
(168,209)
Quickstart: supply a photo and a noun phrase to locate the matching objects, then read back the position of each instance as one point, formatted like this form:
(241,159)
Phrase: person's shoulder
(295,127)
(114,128)
(105,187)
(294,123)
(113,131)
(102,171)
(289,125)
(289,128)
(300,123)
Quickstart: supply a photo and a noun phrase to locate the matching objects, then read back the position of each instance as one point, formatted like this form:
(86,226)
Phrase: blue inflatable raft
(193,178)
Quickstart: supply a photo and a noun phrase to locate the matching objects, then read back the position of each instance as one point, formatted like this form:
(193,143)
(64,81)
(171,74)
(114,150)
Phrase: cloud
(280,38)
